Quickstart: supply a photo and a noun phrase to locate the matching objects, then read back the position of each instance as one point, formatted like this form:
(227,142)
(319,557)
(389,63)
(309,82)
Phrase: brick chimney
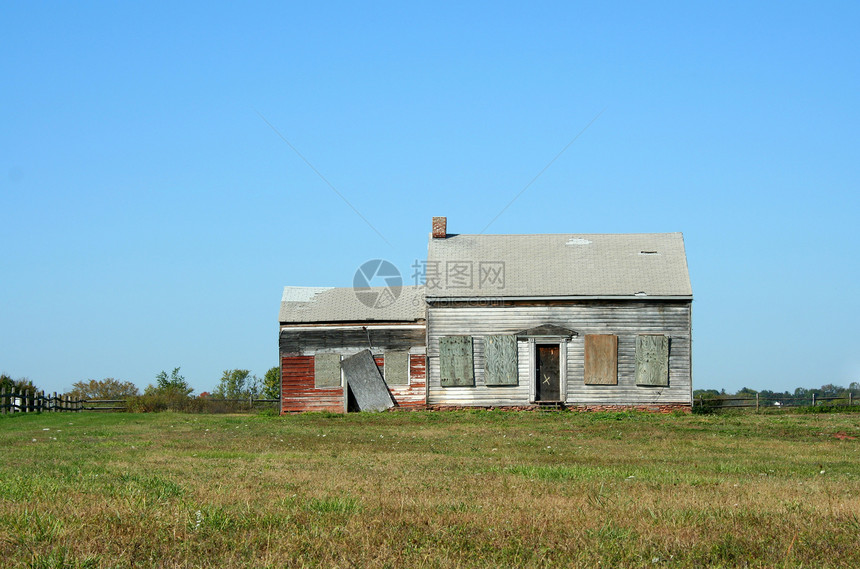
(440,227)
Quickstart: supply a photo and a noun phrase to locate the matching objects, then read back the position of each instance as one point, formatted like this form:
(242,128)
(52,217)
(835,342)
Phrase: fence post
(849,399)
(756,401)
(813,399)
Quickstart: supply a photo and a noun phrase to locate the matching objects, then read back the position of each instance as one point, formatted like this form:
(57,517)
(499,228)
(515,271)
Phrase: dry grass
(453,489)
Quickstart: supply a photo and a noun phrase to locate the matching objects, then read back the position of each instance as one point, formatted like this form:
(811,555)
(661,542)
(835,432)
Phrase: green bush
(176,401)
(162,401)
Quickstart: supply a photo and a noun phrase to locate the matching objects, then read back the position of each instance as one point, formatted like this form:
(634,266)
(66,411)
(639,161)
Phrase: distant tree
(854,387)
(706,393)
(272,383)
(173,384)
(746,392)
(21,385)
(107,388)
(237,384)
(830,390)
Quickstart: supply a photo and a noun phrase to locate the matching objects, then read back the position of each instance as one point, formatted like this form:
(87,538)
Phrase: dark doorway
(547,374)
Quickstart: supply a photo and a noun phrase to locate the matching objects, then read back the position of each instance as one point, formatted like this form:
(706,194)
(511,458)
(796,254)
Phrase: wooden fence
(21,401)
(758,402)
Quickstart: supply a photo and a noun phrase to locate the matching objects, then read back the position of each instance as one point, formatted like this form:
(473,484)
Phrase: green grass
(425,489)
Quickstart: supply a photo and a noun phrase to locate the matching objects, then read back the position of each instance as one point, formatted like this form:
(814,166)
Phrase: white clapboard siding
(624,319)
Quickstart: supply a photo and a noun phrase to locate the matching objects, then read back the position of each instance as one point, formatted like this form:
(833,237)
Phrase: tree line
(825,391)
(234,384)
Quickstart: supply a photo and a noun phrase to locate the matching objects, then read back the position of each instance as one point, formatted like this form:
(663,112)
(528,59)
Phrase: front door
(547,374)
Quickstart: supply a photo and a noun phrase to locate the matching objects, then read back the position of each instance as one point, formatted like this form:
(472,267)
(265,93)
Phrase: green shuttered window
(327,370)
(500,353)
(396,366)
(455,361)
(652,360)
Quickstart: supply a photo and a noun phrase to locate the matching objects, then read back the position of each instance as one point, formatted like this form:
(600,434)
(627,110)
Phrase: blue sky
(151,217)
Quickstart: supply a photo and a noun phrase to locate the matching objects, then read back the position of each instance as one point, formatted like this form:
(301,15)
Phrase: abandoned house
(589,321)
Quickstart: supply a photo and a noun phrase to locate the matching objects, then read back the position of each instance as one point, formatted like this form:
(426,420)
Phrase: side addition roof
(328,304)
(558,265)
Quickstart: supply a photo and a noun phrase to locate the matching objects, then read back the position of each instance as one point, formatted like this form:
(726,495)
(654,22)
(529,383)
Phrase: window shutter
(396,368)
(327,370)
(455,361)
(652,360)
(601,359)
(500,353)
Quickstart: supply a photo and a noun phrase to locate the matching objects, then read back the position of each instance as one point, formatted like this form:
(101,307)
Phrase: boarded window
(396,368)
(500,353)
(601,359)
(455,361)
(327,370)
(652,360)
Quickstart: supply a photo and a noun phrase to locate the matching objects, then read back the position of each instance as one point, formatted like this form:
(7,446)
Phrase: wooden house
(589,321)
(320,327)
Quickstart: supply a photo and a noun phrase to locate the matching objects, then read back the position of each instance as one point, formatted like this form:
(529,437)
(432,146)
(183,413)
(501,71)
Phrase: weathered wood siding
(299,346)
(298,392)
(414,395)
(625,319)
(308,340)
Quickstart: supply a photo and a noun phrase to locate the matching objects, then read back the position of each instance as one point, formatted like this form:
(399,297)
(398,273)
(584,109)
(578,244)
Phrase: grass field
(425,489)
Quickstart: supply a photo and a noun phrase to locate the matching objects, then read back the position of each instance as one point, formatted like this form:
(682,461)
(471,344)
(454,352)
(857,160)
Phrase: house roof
(300,304)
(558,265)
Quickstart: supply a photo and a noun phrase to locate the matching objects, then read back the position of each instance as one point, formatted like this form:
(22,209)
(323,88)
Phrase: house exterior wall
(297,388)
(300,344)
(625,319)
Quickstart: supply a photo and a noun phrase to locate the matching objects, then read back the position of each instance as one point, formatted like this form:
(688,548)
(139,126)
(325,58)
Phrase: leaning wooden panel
(601,359)
(365,383)
(396,365)
(500,353)
(327,370)
(455,361)
(652,360)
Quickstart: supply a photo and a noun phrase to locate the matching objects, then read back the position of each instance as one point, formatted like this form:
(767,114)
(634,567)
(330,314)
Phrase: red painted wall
(414,395)
(297,388)
(298,393)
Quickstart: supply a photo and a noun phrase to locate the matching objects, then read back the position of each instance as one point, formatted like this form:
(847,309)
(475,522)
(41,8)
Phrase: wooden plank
(301,341)
(365,383)
(500,353)
(327,370)
(396,368)
(601,359)
(455,361)
(652,360)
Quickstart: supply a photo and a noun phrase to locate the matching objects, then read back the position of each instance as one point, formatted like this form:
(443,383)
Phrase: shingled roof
(558,265)
(300,304)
